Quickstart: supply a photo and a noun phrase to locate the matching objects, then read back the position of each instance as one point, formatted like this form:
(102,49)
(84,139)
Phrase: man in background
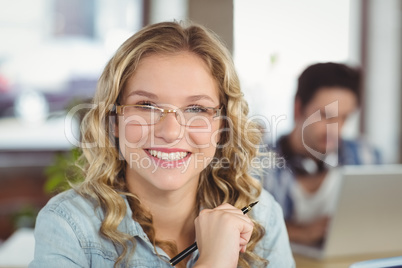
(327,94)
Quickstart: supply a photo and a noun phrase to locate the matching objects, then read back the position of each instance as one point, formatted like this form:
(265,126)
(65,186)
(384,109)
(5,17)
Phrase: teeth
(168,156)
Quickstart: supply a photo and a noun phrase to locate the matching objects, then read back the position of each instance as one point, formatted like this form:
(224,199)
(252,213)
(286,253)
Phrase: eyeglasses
(191,116)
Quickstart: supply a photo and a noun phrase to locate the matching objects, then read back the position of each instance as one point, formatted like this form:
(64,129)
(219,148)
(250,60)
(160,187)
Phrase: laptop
(393,262)
(367,217)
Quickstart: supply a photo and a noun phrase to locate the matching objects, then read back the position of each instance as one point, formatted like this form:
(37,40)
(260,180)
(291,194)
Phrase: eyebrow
(200,97)
(142,93)
(153,96)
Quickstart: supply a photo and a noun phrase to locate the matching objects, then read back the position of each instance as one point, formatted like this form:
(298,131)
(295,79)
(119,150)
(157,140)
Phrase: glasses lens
(198,117)
(141,115)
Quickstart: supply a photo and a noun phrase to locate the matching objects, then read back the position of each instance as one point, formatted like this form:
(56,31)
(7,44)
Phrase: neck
(173,219)
(173,212)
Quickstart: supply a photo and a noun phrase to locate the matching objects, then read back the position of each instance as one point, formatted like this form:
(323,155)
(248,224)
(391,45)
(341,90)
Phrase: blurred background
(53,51)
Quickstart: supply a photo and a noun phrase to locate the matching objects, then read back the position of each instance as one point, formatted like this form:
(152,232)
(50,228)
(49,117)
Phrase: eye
(195,109)
(145,106)
(146,103)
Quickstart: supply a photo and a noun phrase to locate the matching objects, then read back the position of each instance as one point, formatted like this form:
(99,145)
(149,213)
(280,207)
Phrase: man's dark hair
(328,74)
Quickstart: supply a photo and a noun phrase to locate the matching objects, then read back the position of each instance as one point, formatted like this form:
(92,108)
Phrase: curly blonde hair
(219,183)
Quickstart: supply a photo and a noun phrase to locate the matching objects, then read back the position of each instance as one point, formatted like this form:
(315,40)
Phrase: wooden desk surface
(304,262)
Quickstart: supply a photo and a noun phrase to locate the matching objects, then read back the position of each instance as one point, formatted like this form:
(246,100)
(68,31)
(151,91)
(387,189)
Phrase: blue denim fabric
(67,235)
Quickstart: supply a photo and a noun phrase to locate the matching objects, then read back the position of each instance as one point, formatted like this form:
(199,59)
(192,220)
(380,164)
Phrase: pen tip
(253,204)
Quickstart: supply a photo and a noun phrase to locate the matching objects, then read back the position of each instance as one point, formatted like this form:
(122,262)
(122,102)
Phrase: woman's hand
(222,233)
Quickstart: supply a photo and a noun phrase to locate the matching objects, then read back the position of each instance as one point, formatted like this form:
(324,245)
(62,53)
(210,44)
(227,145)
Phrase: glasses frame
(164,112)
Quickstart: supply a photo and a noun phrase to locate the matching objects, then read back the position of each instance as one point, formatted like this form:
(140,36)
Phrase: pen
(179,257)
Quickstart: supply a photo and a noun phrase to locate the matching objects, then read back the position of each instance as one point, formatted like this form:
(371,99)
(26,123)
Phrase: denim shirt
(67,235)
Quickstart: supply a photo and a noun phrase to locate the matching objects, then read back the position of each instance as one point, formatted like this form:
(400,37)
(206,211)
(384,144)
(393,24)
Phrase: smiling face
(168,156)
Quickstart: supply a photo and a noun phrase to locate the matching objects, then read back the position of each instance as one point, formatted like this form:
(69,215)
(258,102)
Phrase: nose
(168,129)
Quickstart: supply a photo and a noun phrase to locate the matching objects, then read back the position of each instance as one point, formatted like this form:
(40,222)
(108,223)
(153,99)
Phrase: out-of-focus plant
(25,217)
(63,172)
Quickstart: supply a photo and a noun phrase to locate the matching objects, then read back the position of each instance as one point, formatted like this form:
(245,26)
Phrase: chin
(170,179)
(322,148)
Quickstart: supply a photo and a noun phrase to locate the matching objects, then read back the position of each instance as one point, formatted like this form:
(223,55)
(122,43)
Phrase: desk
(345,262)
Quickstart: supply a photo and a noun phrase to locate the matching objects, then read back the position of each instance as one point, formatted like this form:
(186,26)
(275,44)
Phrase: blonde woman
(166,154)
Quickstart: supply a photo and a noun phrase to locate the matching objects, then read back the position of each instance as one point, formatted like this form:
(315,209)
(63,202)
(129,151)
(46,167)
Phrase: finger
(243,248)
(225,206)
(222,208)
(245,233)
(243,241)
(227,211)
(229,208)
